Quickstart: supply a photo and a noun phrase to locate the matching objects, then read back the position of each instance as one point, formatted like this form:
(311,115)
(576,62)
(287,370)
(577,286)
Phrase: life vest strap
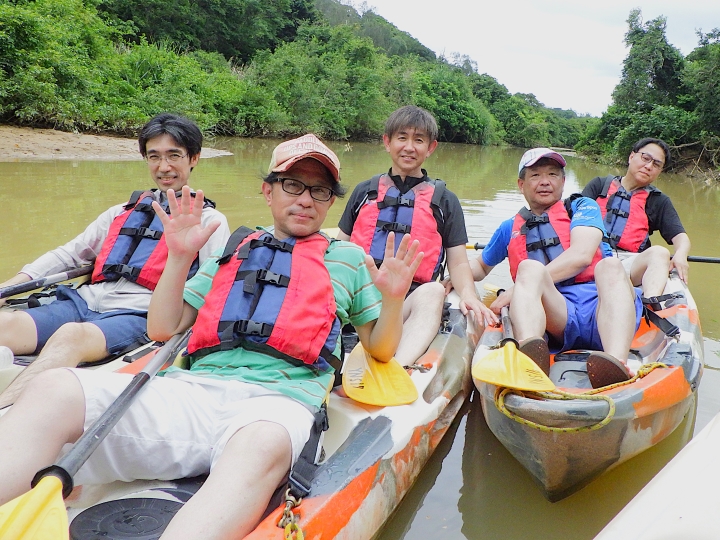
(619,212)
(263,276)
(396,201)
(393,227)
(543,243)
(141,232)
(305,468)
(122,269)
(244,327)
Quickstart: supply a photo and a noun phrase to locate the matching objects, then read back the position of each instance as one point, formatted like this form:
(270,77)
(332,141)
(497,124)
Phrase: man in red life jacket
(242,413)
(567,284)
(405,200)
(633,209)
(109,315)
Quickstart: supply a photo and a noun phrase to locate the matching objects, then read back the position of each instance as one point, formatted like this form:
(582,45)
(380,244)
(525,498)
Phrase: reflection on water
(472,487)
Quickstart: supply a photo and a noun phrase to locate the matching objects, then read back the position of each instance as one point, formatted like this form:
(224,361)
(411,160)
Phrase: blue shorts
(581,331)
(122,328)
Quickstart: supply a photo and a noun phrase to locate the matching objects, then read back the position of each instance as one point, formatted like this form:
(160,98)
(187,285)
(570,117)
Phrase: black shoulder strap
(374,186)
(568,203)
(440,187)
(607,182)
(134,198)
(233,242)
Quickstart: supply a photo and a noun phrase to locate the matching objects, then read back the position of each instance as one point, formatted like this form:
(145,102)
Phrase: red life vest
(385,209)
(624,215)
(270,296)
(134,247)
(543,238)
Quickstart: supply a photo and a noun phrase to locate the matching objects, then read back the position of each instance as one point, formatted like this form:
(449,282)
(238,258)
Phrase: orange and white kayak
(566,438)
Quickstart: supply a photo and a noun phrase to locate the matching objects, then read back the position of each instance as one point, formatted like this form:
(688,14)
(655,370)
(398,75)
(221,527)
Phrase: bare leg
(616,308)
(71,344)
(48,415)
(18,332)
(236,493)
(536,304)
(650,269)
(422,312)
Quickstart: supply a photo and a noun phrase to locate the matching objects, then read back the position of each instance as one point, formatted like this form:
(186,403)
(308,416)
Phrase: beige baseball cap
(287,153)
(531,157)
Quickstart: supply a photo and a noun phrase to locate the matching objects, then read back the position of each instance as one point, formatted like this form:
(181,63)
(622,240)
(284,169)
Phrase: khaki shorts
(177,427)
(627,258)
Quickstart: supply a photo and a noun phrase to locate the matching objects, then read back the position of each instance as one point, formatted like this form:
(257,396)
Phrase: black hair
(411,116)
(642,143)
(183,131)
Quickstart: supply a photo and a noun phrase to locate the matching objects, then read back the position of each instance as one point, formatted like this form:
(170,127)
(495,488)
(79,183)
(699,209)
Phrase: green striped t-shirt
(358,302)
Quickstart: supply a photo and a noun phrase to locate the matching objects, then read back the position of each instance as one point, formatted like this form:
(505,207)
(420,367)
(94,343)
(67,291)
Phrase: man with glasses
(633,209)
(126,247)
(266,319)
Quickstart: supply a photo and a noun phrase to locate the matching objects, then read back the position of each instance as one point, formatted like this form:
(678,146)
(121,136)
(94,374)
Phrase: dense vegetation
(249,68)
(283,67)
(663,94)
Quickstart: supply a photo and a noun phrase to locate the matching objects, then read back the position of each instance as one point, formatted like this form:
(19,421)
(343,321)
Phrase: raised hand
(183,231)
(394,277)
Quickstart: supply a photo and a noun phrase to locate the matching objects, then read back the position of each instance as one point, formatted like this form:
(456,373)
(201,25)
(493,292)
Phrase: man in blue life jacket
(633,209)
(243,410)
(109,315)
(567,284)
(406,200)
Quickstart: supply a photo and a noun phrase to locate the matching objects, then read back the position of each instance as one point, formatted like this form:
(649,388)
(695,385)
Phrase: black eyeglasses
(647,158)
(297,188)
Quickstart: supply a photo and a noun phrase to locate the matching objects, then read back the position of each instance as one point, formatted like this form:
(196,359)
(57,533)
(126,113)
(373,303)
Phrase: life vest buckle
(253,328)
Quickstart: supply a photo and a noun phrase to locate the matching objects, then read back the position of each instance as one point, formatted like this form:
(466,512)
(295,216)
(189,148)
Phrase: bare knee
(58,397)
(529,271)
(18,331)
(270,443)
(75,343)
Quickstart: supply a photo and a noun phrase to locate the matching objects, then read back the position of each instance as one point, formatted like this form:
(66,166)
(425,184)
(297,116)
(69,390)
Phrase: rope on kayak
(290,519)
(590,395)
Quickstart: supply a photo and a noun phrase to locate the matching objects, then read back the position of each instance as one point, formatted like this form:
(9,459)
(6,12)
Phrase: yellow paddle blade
(510,368)
(38,515)
(376,383)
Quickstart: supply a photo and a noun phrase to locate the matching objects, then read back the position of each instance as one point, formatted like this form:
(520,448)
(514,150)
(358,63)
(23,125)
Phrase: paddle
(40,513)
(691,258)
(369,381)
(508,367)
(12,290)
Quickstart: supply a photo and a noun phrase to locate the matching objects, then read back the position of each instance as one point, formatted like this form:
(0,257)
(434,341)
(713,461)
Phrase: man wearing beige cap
(266,314)
(567,284)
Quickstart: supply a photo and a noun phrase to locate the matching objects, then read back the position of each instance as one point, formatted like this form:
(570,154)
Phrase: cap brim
(322,158)
(552,155)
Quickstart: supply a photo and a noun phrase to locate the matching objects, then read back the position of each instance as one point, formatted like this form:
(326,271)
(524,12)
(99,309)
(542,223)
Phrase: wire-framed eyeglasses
(173,157)
(297,188)
(647,158)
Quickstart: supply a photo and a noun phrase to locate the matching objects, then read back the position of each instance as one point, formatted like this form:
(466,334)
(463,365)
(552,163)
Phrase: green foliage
(235,28)
(661,94)
(651,71)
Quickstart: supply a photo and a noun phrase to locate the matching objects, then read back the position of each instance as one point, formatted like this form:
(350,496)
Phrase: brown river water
(472,488)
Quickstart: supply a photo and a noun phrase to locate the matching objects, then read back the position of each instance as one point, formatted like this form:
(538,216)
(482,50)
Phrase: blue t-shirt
(586,213)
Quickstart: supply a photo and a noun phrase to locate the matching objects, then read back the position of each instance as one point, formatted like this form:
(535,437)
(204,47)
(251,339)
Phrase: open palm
(394,277)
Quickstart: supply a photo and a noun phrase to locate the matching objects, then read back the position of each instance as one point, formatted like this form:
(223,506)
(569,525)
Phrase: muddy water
(472,487)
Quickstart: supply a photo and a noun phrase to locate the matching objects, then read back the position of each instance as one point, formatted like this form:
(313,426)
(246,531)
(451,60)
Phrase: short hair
(541,161)
(411,116)
(183,131)
(338,189)
(642,143)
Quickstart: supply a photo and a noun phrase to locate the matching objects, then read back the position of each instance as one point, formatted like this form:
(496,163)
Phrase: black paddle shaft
(691,258)
(66,467)
(506,326)
(28,286)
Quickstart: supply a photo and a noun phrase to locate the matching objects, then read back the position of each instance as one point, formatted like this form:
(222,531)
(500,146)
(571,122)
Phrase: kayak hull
(561,452)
